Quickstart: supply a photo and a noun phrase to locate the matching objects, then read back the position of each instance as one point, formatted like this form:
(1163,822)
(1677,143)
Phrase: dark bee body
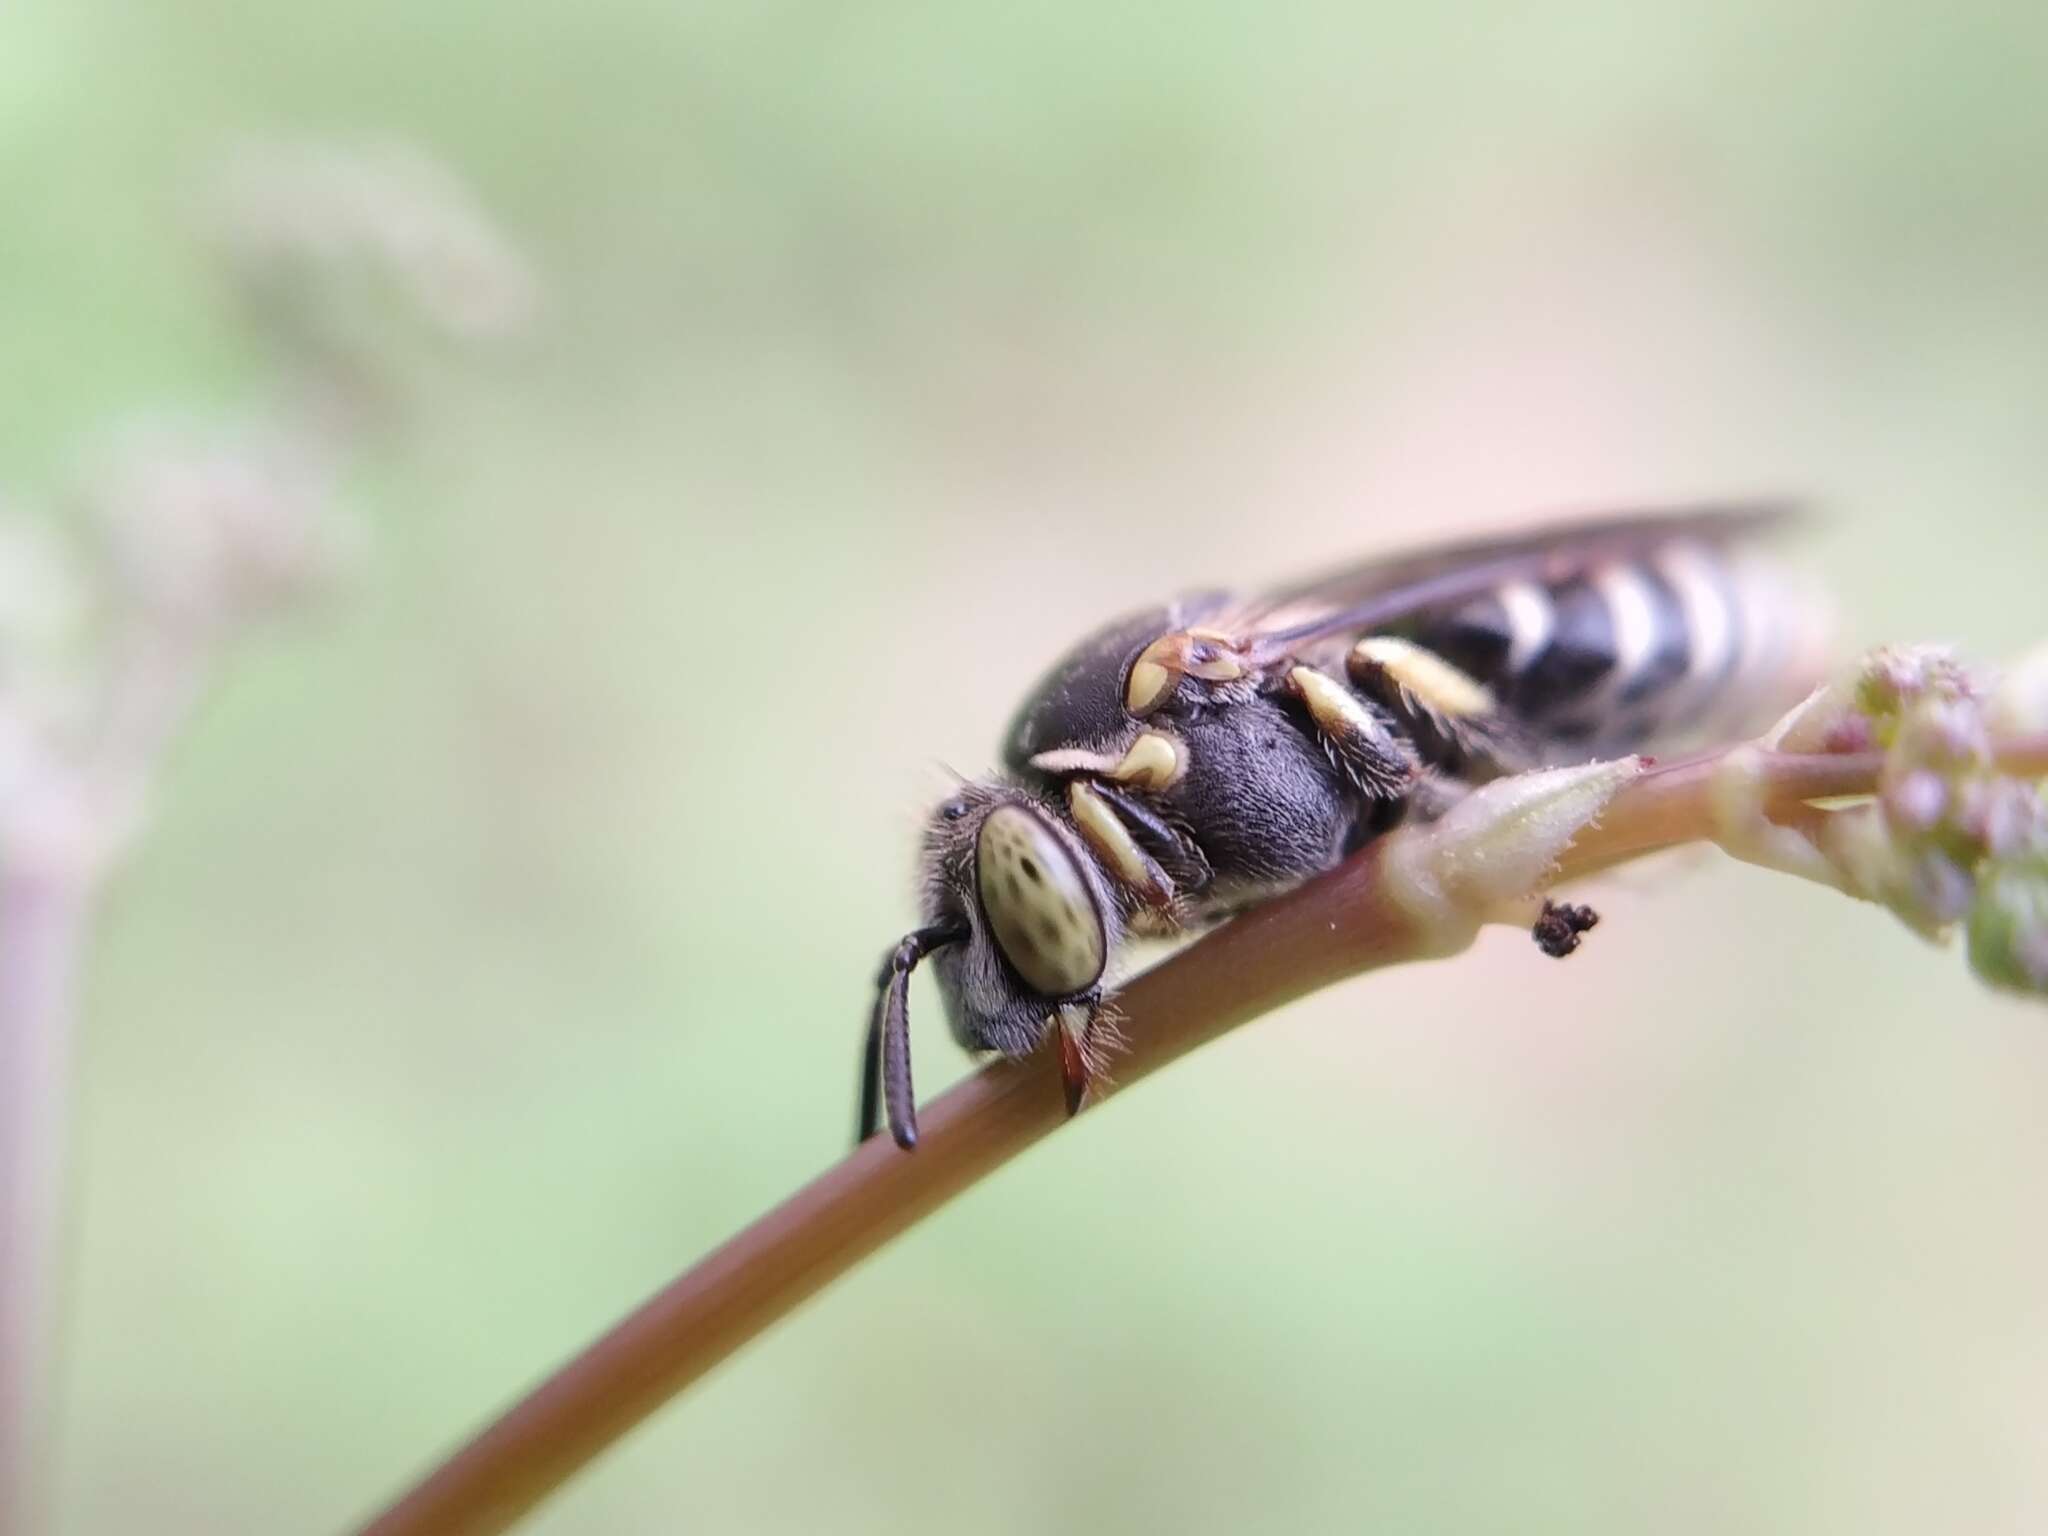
(1295,825)
(1191,759)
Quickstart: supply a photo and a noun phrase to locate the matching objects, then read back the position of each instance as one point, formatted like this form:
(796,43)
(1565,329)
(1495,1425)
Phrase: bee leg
(1356,735)
(1111,840)
(1451,717)
(1171,844)
(885,1062)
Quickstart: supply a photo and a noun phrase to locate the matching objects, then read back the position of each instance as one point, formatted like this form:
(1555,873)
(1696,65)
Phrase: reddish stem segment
(1335,927)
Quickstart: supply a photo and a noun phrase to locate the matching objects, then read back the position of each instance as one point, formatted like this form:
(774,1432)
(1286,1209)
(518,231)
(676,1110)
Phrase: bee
(1192,759)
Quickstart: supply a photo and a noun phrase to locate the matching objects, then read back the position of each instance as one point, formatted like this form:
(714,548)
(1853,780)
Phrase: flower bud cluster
(1957,835)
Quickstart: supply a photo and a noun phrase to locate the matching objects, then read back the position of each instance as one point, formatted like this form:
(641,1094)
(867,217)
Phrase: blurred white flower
(199,529)
(306,223)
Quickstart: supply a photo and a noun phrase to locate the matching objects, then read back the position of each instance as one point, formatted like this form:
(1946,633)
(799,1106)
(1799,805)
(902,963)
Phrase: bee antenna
(885,1058)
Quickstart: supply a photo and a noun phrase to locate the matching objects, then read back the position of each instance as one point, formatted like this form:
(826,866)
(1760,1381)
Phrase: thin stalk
(42,925)
(1337,926)
(49,879)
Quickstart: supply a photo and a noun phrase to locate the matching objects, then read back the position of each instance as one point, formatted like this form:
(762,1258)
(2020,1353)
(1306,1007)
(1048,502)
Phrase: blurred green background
(501,937)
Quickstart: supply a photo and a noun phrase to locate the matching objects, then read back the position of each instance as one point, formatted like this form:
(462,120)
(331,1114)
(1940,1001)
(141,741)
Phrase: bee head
(1018,925)
(1009,870)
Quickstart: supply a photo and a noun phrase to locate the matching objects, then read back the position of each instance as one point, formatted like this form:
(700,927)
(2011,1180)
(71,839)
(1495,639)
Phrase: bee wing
(1373,594)
(1136,666)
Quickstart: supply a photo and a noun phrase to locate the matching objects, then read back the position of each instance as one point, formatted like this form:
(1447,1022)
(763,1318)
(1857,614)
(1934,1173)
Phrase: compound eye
(1037,904)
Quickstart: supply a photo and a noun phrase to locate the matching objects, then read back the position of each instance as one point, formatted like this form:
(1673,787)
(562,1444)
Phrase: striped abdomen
(1651,650)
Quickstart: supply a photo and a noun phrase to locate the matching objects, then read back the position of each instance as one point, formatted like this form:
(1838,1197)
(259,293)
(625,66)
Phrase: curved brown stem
(1338,926)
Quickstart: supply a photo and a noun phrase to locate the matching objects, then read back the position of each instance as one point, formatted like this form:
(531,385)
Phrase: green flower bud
(2009,929)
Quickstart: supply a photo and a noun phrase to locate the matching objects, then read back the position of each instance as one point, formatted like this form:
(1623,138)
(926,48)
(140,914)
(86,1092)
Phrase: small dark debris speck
(1557,931)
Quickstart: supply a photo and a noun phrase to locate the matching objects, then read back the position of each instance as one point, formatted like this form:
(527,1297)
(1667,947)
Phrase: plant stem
(42,924)
(54,852)
(1337,926)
